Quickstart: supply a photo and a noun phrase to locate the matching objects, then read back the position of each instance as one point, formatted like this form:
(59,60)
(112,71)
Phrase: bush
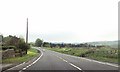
(22,45)
(8,47)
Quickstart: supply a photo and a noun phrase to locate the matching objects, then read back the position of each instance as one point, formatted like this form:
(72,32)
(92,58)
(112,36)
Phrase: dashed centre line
(70,63)
(104,63)
(75,66)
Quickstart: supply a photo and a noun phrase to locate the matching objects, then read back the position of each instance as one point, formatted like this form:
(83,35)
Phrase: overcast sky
(70,21)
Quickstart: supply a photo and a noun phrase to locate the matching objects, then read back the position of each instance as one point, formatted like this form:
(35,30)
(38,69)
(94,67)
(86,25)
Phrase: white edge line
(90,60)
(33,62)
(100,62)
(16,66)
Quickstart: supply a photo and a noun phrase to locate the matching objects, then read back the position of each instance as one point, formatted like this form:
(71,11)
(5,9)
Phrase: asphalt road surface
(54,61)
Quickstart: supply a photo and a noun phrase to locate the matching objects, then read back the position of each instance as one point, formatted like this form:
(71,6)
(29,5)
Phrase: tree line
(40,43)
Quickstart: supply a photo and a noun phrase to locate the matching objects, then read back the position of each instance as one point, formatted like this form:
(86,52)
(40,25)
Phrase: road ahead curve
(51,60)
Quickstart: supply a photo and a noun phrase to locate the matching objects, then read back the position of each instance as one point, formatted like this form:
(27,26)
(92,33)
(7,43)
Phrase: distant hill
(113,44)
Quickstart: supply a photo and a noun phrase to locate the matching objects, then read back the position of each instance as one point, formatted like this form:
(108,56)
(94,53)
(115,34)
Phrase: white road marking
(16,66)
(105,63)
(24,68)
(33,62)
(75,66)
(65,60)
(62,59)
(111,65)
(70,63)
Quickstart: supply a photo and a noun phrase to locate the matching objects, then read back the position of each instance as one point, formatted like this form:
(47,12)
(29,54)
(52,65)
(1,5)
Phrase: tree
(1,39)
(32,43)
(19,43)
(46,44)
(10,40)
(38,42)
(23,46)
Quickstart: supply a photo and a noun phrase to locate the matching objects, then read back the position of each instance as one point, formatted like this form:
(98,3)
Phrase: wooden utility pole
(27,32)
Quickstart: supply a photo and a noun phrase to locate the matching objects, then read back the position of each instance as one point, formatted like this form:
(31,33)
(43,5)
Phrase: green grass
(30,54)
(105,54)
(100,54)
(71,51)
(119,56)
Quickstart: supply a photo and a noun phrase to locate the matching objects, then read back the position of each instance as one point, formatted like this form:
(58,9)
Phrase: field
(30,54)
(104,54)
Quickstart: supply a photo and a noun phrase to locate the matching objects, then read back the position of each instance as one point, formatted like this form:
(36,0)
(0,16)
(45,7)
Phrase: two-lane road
(51,60)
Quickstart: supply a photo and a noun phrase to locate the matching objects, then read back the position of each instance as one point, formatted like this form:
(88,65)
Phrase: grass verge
(100,54)
(30,54)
